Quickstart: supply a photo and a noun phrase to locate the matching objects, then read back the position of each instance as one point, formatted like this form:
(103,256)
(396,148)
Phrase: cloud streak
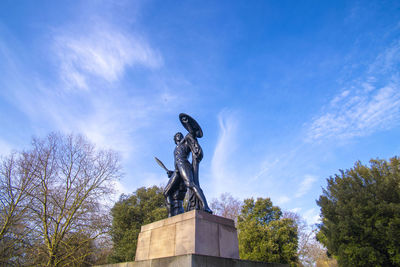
(365,107)
(86,94)
(312,216)
(5,148)
(220,167)
(102,52)
(358,114)
(283,199)
(95,59)
(306,185)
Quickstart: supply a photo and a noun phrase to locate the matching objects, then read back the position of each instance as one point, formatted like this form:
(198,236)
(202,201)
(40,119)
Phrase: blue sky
(287,92)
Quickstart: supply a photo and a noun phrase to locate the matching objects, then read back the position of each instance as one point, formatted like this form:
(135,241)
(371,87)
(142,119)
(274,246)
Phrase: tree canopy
(264,235)
(51,201)
(145,205)
(360,210)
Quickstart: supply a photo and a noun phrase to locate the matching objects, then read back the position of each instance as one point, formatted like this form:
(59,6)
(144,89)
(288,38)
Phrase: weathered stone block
(194,232)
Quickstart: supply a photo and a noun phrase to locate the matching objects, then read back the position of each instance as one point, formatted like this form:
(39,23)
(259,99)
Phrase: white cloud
(5,148)
(110,115)
(120,189)
(87,57)
(151,178)
(387,61)
(108,126)
(104,51)
(295,210)
(283,199)
(305,185)
(340,97)
(358,114)
(311,216)
(226,145)
(265,167)
(369,104)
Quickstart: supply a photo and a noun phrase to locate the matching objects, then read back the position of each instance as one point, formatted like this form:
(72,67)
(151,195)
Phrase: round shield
(191,125)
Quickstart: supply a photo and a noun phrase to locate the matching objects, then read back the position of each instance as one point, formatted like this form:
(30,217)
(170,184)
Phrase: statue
(174,192)
(186,174)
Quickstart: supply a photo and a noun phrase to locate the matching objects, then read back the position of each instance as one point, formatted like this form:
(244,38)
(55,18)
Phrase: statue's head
(178,137)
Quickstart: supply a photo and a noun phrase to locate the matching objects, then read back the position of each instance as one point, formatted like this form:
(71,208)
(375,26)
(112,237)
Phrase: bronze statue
(186,174)
(174,191)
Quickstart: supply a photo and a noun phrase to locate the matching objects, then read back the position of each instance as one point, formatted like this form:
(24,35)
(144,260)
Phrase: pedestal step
(193,260)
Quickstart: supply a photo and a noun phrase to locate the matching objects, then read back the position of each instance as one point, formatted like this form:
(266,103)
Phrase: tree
(264,235)
(144,206)
(16,185)
(310,251)
(360,211)
(226,206)
(68,183)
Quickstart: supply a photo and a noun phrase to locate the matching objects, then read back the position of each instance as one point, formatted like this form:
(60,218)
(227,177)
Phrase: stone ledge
(187,216)
(194,260)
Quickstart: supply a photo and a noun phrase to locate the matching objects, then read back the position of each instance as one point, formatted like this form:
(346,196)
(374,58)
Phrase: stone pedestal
(194,232)
(193,260)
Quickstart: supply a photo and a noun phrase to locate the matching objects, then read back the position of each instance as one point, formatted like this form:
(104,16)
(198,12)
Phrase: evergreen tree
(264,235)
(360,211)
(144,206)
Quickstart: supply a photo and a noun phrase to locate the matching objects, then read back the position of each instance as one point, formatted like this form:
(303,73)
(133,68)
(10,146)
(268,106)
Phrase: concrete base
(193,232)
(193,260)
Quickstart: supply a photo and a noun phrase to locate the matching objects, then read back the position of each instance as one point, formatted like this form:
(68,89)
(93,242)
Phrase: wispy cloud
(101,54)
(5,148)
(311,216)
(283,199)
(296,210)
(305,185)
(369,104)
(103,51)
(94,58)
(358,114)
(387,61)
(221,168)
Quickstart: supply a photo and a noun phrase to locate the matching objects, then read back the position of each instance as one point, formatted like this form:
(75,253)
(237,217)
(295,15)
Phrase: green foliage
(360,211)
(264,235)
(144,206)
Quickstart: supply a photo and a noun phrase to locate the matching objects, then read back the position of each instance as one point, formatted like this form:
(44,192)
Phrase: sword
(161,164)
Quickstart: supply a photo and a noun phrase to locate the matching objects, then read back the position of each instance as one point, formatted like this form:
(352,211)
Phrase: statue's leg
(171,183)
(191,204)
(174,210)
(185,170)
(180,207)
(168,204)
(199,193)
(169,191)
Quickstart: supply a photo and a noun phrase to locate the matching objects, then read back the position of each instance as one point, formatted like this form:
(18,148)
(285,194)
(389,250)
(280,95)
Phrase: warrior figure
(185,173)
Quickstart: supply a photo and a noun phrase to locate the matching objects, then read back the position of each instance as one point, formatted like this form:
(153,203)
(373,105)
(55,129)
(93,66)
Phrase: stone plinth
(194,232)
(192,260)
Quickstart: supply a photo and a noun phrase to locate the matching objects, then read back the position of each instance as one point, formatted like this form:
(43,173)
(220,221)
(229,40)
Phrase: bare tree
(17,182)
(310,251)
(70,182)
(226,206)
